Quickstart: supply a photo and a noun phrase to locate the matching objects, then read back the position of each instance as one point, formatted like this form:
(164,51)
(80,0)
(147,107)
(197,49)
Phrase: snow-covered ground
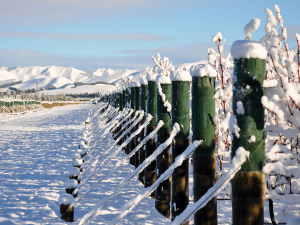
(36,151)
(35,155)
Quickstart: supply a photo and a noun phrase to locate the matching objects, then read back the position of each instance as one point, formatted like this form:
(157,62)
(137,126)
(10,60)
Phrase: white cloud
(136,59)
(53,12)
(110,37)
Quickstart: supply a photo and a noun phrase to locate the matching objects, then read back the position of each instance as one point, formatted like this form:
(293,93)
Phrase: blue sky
(124,34)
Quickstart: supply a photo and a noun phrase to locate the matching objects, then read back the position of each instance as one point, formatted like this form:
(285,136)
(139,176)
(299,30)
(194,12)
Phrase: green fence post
(248,185)
(117,104)
(114,99)
(124,97)
(204,160)
(137,107)
(127,105)
(121,100)
(121,107)
(132,106)
(143,93)
(163,161)
(181,81)
(150,177)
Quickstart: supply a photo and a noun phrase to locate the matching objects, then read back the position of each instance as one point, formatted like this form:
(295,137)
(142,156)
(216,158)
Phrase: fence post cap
(244,49)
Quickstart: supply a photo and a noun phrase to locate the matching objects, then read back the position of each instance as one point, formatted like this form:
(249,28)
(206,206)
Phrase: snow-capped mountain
(57,77)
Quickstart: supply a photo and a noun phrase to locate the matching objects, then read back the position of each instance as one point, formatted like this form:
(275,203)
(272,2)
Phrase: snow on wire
(146,192)
(145,163)
(112,155)
(240,157)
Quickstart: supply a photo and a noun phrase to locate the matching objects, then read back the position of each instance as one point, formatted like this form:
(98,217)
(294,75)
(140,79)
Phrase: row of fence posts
(18,106)
(172,196)
(248,184)
(67,212)
(178,94)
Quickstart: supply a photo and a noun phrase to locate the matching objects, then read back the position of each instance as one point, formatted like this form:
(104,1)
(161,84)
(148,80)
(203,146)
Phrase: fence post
(137,107)
(132,106)
(150,177)
(127,104)
(204,160)
(120,93)
(121,107)
(123,99)
(143,93)
(181,81)
(163,161)
(114,99)
(66,213)
(248,185)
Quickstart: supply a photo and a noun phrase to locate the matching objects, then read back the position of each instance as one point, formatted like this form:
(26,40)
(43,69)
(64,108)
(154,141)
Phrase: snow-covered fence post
(114,99)
(66,213)
(163,160)
(143,93)
(132,106)
(109,98)
(70,186)
(181,81)
(121,106)
(150,177)
(127,97)
(248,185)
(137,107)
(117,104)
(204,159)
(127,105)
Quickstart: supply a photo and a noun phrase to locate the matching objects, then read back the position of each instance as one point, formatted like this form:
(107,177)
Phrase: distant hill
(53,77)
(56,79)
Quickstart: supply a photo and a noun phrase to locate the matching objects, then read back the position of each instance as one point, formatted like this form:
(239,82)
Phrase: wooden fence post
(181,81)
(150,177)
(66,213)
(127,105)
(204,160)
(132,106)
(123,100)
(137,107)
(121,107)
(143,93)
(248,185)
(163,160)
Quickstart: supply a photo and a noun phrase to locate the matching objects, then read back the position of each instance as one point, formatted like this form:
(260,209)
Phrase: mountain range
(52,77)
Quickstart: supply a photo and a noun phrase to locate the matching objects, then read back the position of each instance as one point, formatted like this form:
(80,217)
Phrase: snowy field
(35,158)
(36,151)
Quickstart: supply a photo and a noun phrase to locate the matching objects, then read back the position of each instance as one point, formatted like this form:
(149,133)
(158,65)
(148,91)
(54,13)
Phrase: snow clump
(180,75)
(74,171)
(250,27)
(71,183)
(65,199)
(248,49)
